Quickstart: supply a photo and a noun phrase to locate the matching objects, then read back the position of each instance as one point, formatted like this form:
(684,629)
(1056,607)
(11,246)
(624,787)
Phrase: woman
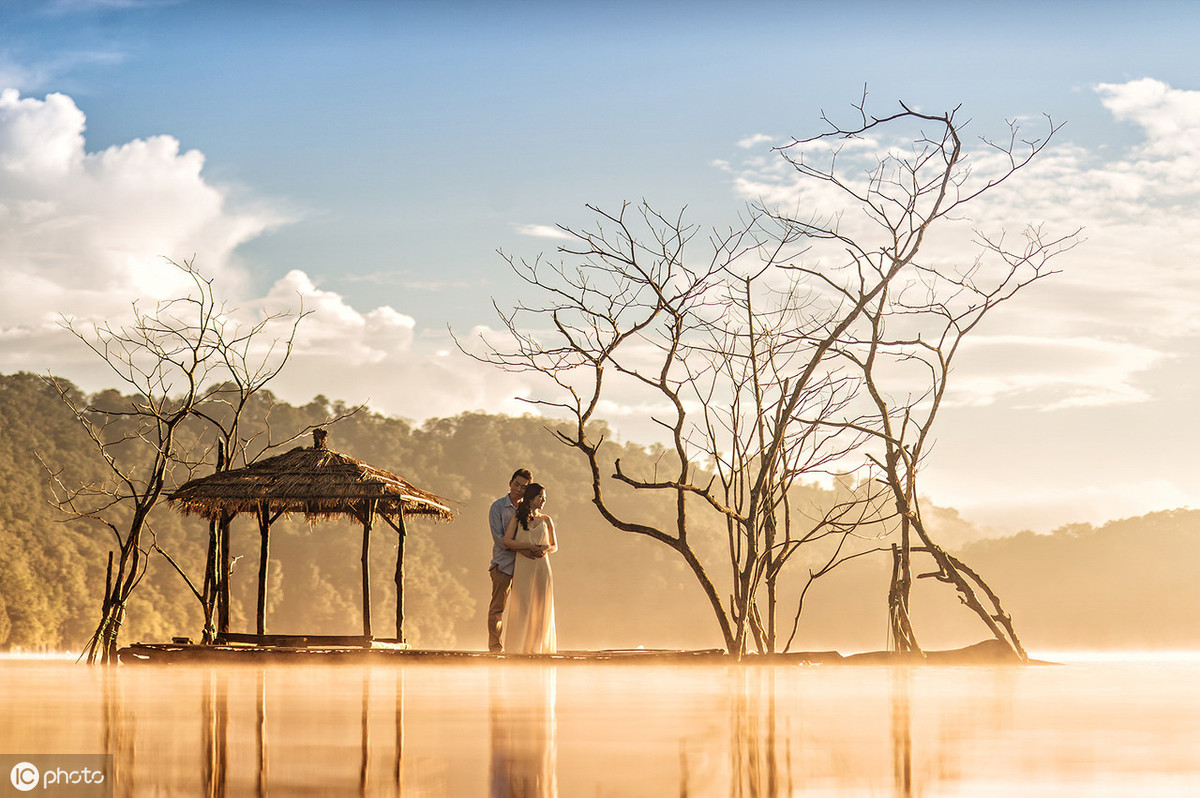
(530,625)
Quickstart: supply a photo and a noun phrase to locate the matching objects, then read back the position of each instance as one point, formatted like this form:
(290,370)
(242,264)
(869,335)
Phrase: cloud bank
(85,235)
(1124,301)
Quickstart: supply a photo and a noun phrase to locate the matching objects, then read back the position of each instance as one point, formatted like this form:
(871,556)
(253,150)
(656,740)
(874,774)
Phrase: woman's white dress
(530,625)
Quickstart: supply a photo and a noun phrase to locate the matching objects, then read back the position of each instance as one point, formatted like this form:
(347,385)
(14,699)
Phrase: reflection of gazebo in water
(321,484)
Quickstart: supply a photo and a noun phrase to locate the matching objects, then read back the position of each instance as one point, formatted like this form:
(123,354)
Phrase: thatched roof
(312,480)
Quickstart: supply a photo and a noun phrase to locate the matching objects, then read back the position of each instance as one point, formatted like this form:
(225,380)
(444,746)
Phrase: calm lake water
(1104,726)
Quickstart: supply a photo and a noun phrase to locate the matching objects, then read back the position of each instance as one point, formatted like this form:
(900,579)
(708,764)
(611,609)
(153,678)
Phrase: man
(503,558)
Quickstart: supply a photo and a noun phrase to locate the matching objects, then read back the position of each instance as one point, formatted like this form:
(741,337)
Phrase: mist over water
(1117,724)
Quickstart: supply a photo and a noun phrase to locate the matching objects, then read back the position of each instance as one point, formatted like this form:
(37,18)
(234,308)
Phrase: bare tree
(224,411)
(714,346)
(906,377)
(762,358)
(247,366)
(905,339)
(178,358)
(742,376)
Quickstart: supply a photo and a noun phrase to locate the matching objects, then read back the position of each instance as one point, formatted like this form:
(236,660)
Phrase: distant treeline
(1128,583)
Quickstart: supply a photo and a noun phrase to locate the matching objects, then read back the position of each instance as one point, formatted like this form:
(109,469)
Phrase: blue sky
(411,134)
(375,155)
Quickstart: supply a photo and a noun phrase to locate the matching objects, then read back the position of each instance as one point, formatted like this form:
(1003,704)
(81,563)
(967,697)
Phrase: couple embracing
(522,539)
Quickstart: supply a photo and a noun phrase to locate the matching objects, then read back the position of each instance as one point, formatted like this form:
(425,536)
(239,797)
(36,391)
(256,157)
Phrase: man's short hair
(521,472)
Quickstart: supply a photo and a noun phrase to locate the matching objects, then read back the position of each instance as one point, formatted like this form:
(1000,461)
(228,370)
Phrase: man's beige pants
(501,582)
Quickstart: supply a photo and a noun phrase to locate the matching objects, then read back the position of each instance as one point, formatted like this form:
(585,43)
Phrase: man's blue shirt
(499,515)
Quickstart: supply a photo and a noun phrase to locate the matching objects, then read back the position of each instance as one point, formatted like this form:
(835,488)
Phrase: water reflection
(631,730)
(783,741)
(902,731)
(754,727)
(365,727)
(398,758)
(118,730)
(260,733)
(221,708)
(524,750)
(215,719)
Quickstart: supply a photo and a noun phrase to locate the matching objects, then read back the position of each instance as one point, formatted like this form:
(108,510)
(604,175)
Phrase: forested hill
(1126,583)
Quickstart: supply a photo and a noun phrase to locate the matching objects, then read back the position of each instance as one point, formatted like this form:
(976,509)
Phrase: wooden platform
(240,648)
(315,649)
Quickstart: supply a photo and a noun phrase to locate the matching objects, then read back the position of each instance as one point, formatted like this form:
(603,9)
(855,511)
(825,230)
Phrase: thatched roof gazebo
(321,484)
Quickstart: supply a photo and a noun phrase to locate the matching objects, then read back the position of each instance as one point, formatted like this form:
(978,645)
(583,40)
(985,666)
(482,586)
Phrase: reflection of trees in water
(215,719)
(218,729)
(748,730)
(762,739)
(961,747)
(119,733)
(524,730)
(901,732)
(755,766)
(215,716)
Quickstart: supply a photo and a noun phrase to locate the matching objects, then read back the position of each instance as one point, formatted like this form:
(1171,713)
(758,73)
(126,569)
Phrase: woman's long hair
(525,507)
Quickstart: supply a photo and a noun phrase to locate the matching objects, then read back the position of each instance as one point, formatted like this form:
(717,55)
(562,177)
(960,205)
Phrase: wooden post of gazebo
(213,589)
(401,534)
(367,519)
(264,547)
(223,570)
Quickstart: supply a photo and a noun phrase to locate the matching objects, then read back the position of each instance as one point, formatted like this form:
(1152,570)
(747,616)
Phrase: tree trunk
(904,640)
(403,533)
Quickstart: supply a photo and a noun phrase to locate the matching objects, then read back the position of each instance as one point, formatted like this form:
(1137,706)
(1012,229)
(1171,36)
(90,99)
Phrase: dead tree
(776,324)
(224,413)
(175,358)
(909,333)
(903,416)
(712,343)
(742,376)
(248,366)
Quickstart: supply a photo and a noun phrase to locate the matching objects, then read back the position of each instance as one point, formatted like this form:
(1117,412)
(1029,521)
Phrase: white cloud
(753,141)
(378,358)
(84,235)
(1170,117)
(334,329)
(540,231)
(1050,373)
(1131,284)
(14,74)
